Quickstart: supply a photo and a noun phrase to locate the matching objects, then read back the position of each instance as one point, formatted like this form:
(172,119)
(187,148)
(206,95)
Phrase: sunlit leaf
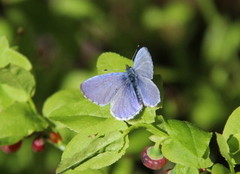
(232,125)
(179,169)
(112,62)
(220,169)
(89,171)
(69,108)
(224,148)
(18,121)
(93,152)
(234,147)
(186,145)
(21,82)
(60,99)
(8,55)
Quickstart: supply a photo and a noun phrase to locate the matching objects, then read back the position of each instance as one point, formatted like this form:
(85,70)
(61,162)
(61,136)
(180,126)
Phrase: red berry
(154,162)
(38,144)
(11,148)
(55,137)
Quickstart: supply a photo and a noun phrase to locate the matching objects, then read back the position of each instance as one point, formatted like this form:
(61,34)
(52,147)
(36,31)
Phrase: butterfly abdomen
(132,76)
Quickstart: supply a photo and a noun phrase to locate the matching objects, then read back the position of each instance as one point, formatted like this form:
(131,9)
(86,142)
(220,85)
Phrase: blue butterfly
(126,92)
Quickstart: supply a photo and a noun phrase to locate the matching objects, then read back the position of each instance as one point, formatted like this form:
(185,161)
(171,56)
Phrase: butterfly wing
(101,89)
(143,64)
(125,104)
(149,92)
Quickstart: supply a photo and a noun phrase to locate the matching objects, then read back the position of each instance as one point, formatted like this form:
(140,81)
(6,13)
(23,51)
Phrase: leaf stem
(149,128)
(61,146)
(32,105)
(231,167)
(156,145)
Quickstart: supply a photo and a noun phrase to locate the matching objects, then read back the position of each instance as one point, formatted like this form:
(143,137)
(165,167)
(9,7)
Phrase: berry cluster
(38,143)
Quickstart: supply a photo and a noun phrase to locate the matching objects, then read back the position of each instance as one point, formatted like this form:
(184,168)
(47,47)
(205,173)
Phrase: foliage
(198,51)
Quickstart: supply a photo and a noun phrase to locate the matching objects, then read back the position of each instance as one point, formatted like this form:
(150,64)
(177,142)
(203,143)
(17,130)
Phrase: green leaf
(224,149)
(69,108)
(93,152)
(91,123)
(180,169)
(186,145)
(10,140)
(6,29)
(233,142)
(146,116)
(220,169)
(74,78)
(108,62)
(66,134)
(8,55)
(5,98)
(18,121)
(234,147)
(14,94)
(232,125)
(3,44)
(83,107)
(159,131)
(89,171)
(112,154)
(60,99)
(229,141)
(72,103)
(20,84)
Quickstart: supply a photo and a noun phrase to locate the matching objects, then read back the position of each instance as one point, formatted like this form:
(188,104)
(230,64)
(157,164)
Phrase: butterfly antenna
(136,50)
(111,70)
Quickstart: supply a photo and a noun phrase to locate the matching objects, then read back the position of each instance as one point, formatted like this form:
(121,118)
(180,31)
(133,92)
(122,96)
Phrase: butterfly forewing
(125,104)
(149,92)
(101,89)
(143,64)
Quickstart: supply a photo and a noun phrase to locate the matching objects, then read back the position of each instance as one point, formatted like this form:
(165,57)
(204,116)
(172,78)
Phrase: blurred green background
(195,45)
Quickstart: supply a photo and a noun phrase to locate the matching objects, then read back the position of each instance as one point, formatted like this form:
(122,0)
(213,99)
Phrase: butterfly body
(133,78)
(126,92)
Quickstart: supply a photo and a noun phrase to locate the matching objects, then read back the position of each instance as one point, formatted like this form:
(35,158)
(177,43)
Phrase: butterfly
(127,92)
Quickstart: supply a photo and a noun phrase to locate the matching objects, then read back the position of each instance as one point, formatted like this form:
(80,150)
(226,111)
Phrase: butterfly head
(128,67)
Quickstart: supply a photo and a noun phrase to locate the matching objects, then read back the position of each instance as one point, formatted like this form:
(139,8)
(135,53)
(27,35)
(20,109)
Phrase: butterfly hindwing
(101,89)
(125,104)
(149,92)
